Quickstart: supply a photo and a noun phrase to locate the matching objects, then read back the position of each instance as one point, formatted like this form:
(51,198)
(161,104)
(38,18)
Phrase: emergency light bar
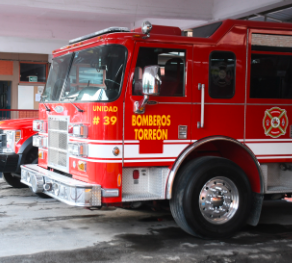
(98,33)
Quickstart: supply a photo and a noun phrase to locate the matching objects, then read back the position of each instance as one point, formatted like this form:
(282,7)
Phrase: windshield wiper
(78,109)
(47,108)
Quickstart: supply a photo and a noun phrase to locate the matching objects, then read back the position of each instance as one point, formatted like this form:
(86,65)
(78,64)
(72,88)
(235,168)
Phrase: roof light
(146,27)
(98,33)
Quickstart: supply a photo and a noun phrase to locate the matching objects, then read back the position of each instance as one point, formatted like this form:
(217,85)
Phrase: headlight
(78,130)
(12,138)
(78,149)
(40,141)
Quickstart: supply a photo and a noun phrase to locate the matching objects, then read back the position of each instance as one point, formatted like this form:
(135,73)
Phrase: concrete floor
(34,230)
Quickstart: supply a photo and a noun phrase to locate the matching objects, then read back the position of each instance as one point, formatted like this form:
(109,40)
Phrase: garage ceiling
(37,26)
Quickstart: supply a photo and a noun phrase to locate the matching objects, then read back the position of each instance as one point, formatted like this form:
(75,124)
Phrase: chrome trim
(245,91)
(110,192)
(219,103)
(201,87)
(59,109)
(182,132)
(195,145)
(74,192)
(123,140)
(219,200)
(139,107)
(179,103)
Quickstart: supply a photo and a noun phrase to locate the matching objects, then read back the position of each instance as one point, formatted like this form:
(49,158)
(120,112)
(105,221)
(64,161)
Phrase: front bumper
(9,162)
(60,187)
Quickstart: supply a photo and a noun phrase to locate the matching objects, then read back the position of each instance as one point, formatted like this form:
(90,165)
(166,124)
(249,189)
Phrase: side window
(271,76)
(222,75)
(172,70)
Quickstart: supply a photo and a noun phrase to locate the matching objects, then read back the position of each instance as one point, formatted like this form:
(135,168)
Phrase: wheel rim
(219,200)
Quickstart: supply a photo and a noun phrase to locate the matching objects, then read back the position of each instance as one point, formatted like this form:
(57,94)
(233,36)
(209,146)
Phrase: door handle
(201,87)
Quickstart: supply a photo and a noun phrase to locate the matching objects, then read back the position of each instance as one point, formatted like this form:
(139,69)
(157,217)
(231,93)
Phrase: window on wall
(222,75)
(172,70)
(33,72)
(271,76)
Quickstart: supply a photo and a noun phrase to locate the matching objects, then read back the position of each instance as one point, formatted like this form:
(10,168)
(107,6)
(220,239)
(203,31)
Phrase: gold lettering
(158,121)
(150,134)
(145,120)
(110,108)
(139,120)
(150,120)
(134,120)
(158,134)
(154,134)
(99,108)
(94,108)
(168,120)
(163,120)
(145,134)
(164,134)
(154,120)
(136,131)
(140,134)
(105,108)
(115,109)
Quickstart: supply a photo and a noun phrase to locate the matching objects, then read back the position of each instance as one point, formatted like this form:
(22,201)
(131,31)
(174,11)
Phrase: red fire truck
(149,115)
(16,149)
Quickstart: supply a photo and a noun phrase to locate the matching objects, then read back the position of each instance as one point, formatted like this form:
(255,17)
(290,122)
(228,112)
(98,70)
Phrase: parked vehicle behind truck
(152,115)
(16,149)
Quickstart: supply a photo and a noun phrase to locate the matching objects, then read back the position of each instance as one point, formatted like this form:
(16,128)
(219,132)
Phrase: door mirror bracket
(151,83)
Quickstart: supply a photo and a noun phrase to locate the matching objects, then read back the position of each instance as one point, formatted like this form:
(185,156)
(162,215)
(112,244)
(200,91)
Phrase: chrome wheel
(219,200)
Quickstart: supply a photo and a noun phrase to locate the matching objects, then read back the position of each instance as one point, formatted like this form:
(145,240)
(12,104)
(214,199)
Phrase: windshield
(95,74)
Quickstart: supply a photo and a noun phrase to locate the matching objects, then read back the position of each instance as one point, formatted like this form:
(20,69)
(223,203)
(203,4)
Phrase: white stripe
(169,150)
(103,151)
(100,141)
(270,148)
(149,160)
(240,140)
(96,161)
(167,141)
(268,140)
(275,157)
(131,141)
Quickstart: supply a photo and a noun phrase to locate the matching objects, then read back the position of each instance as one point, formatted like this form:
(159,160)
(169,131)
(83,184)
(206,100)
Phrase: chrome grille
(58,142)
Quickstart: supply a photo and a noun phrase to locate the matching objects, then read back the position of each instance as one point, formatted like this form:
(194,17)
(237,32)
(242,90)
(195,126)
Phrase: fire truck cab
(149,114)
(16,149)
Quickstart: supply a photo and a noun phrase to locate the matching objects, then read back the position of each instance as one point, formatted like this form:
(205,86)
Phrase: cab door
(158,136)
(269,100)
(219,84)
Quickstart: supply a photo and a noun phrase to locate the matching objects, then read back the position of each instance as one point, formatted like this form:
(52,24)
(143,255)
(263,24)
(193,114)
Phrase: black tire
(14,181)
(187,210)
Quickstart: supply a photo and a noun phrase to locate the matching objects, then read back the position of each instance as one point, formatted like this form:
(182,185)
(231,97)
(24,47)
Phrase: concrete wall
(16,57)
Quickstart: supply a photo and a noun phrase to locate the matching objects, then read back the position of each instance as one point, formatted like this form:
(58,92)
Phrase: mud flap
(256,209)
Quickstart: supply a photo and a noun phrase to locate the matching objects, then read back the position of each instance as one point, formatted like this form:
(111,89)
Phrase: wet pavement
(34,230)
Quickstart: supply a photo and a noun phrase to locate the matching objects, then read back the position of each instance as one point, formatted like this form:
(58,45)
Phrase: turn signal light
(119,180)
(116,151)
(81,166)
(78,149)
(80,130)
(41,155)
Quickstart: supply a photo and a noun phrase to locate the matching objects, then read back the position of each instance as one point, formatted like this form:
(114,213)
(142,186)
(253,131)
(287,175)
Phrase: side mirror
(150,86)
(151,81)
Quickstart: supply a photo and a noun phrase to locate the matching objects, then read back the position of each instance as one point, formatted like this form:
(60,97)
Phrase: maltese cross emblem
(275,122)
